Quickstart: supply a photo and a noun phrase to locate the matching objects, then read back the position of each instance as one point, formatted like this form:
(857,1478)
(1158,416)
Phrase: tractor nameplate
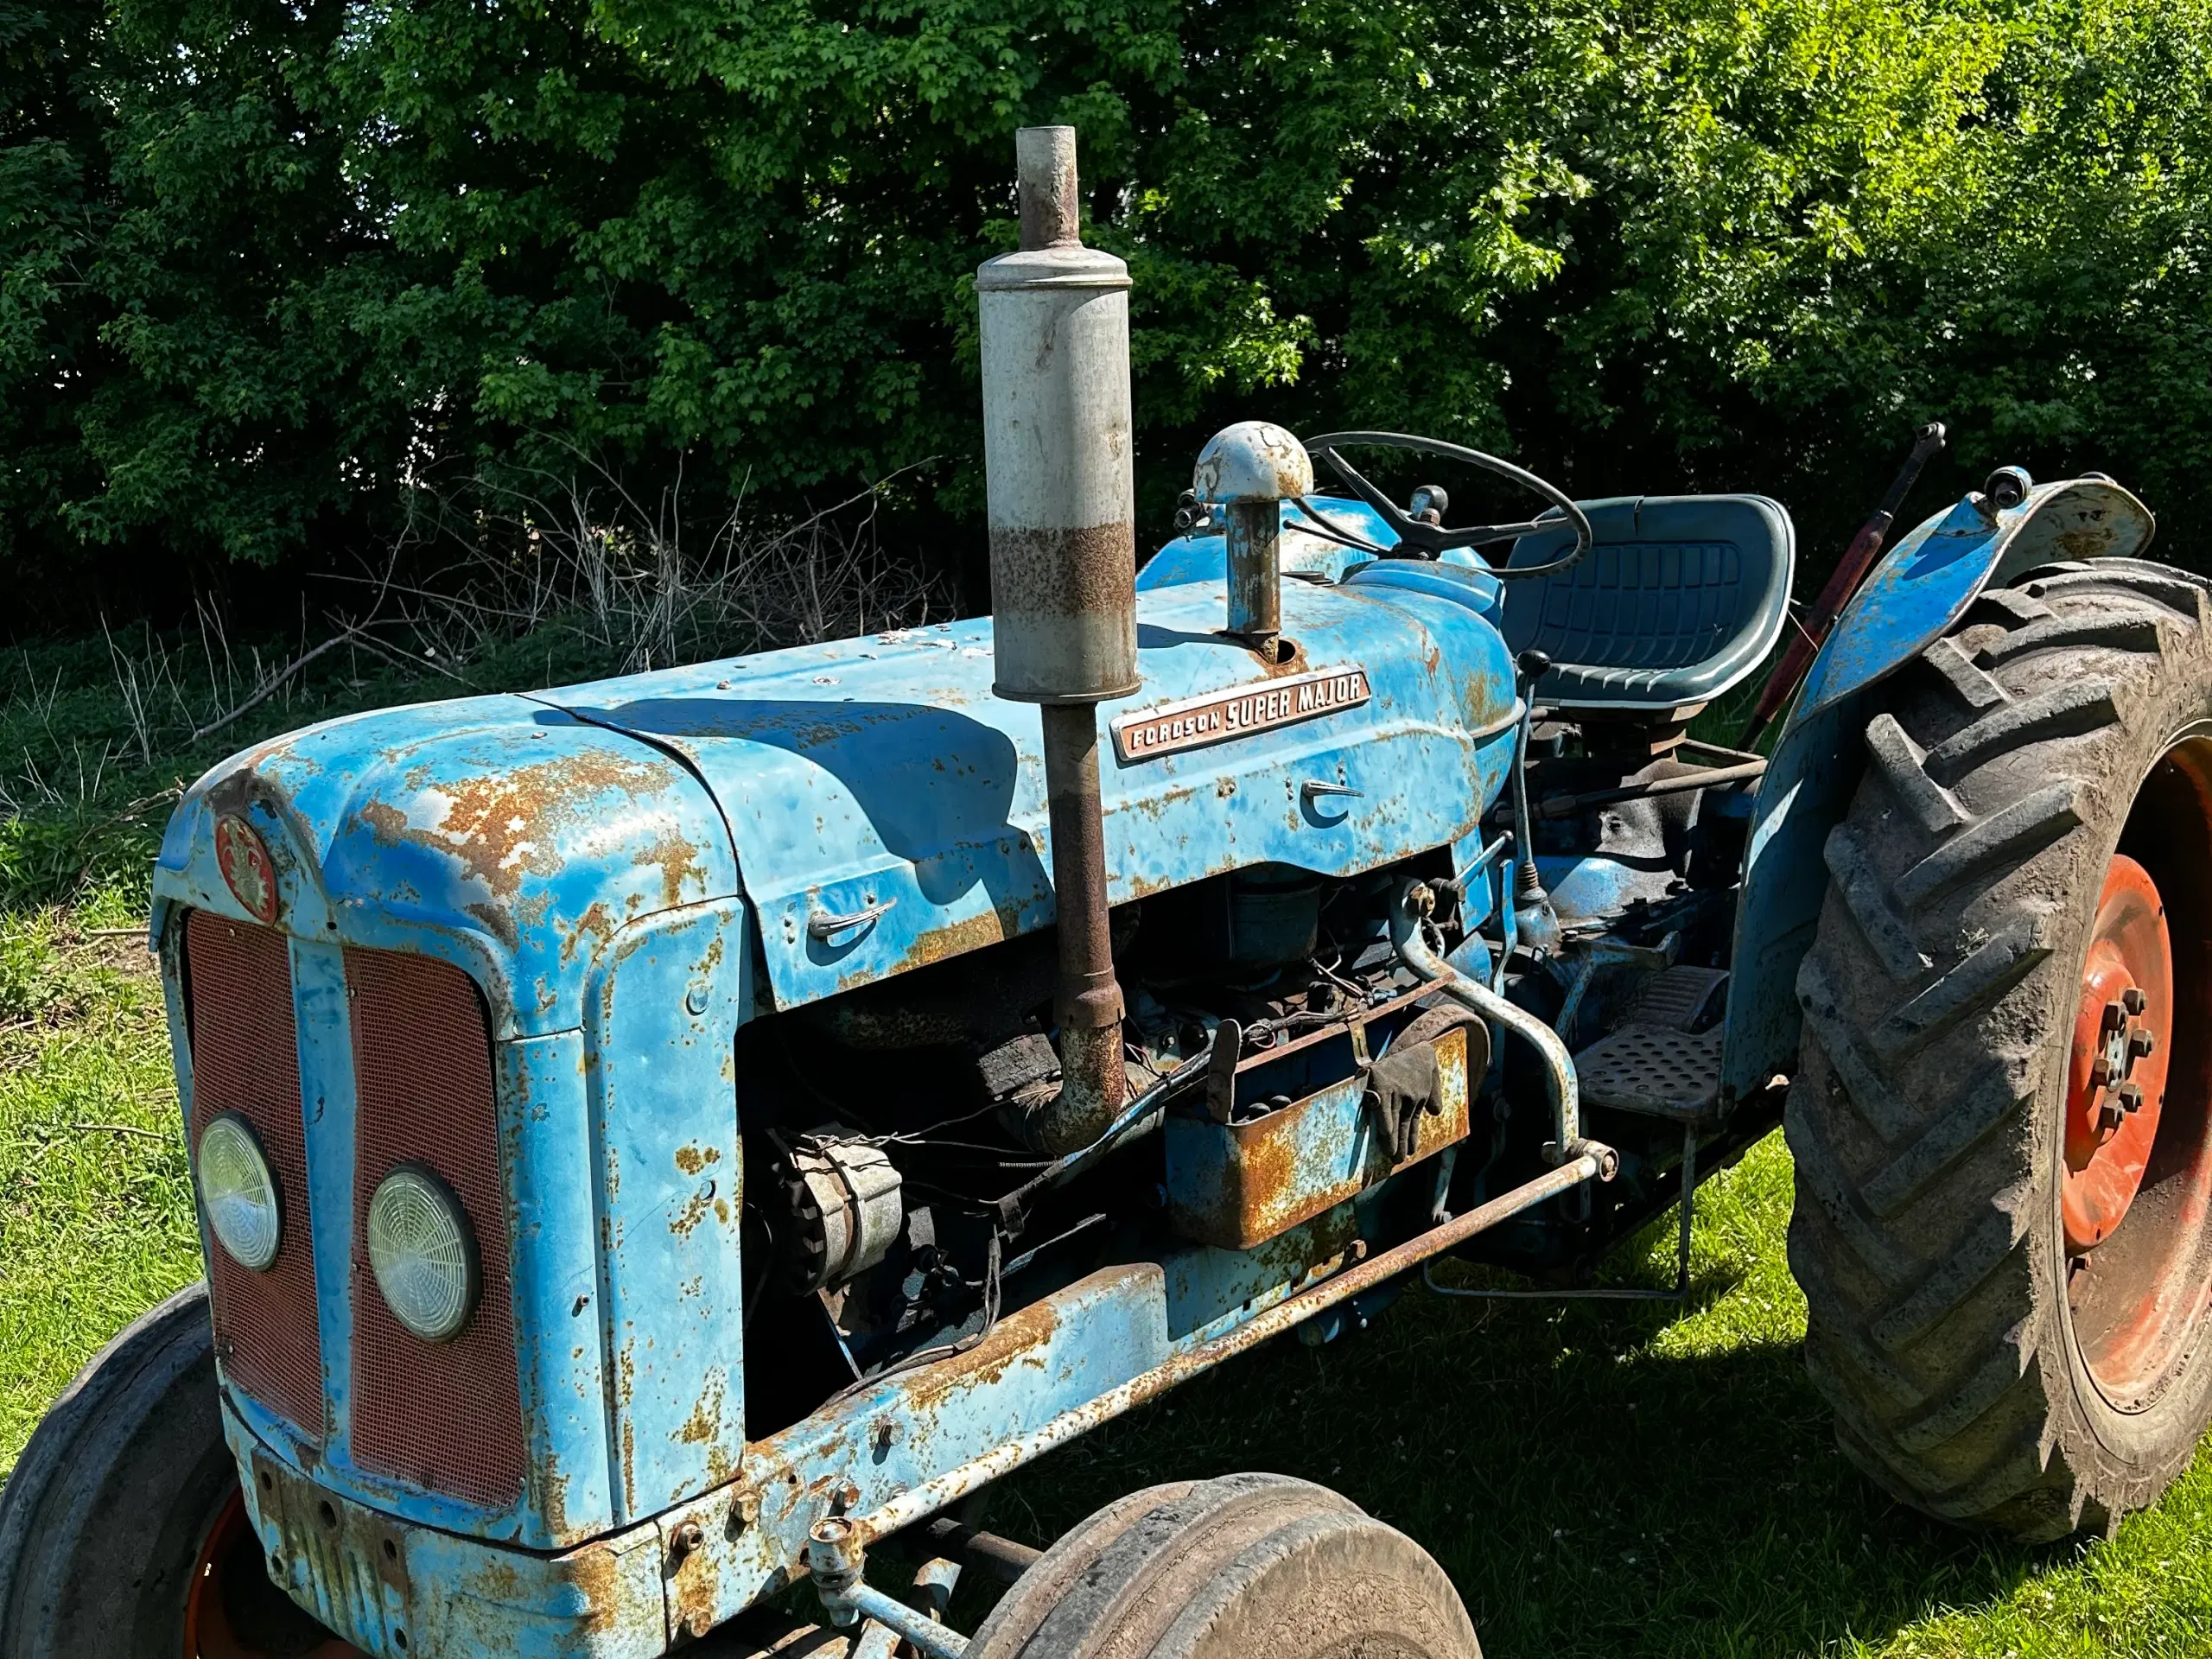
(1170,727)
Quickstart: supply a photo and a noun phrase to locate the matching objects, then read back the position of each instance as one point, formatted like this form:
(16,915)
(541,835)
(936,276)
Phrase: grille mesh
(447,1416)
(246,1059)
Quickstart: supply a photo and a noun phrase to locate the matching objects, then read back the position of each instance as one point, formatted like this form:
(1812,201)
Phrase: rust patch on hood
(499,827)
(677,858)
(992,927)
(597,924)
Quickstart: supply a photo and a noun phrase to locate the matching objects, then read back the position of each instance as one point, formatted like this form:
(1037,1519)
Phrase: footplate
(1654,1070)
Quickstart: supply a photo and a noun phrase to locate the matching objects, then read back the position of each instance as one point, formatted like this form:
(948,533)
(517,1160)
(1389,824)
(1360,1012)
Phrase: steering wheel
(1425,540)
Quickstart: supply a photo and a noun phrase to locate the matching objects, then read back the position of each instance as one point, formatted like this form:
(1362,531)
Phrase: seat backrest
(1679,597)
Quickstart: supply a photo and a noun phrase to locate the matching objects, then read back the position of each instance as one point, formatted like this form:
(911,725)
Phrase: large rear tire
(122,1531)
(1226,1569)
(2000,1124)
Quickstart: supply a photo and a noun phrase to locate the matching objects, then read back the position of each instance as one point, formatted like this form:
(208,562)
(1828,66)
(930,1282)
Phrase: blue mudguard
(1914,597)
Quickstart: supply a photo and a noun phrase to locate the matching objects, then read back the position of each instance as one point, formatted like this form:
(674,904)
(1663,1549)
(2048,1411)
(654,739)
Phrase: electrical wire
(1125,1126)
(943,1350)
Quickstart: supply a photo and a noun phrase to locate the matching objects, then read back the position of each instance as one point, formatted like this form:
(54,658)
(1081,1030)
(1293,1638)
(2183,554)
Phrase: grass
(95,1202)
(1598,1479)
(1602,1479)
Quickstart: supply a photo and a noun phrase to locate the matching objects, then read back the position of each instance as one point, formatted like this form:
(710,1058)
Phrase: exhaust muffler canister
(1055,324)
(1055,327)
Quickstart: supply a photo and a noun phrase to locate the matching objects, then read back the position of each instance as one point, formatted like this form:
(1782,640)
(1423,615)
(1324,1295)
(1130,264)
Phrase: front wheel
(2002,1123)
(122,1530)
(1226,1569)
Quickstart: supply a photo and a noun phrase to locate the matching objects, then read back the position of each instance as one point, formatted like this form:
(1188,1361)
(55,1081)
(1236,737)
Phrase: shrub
(271,268)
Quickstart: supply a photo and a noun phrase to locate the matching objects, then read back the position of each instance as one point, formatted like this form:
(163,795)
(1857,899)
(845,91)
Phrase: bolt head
(2130,1097)
(2140,1042)
(2134,1000)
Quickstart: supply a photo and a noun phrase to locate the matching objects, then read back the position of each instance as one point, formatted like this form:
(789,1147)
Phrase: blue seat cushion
(1678,598)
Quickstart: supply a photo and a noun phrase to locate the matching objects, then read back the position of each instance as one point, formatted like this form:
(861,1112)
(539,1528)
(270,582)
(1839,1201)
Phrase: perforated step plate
(1656,1070)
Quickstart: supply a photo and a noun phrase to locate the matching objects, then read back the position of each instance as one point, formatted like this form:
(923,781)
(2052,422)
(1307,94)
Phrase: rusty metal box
(1242,1183)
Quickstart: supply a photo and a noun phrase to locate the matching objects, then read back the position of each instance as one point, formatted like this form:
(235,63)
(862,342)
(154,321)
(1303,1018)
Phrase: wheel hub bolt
(2125,1101)
(2124,1043)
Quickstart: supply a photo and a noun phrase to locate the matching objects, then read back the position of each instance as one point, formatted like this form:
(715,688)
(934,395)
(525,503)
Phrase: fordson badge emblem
(1256,706)
(245,858)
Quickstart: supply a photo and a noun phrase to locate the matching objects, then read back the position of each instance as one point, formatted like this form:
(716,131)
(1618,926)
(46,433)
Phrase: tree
(283,267)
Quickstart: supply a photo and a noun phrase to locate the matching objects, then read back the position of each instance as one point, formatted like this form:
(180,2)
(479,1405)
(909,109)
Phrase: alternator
(845,1210)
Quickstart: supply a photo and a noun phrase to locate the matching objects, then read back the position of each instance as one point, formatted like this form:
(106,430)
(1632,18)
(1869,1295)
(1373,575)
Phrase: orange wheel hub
(229,1573)
(2123,1039)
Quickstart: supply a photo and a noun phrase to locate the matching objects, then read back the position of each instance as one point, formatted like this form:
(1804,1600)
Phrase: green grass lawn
(1598,1478)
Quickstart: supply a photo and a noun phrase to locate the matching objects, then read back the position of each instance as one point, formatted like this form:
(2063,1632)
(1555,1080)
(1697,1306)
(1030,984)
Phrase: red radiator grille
(246,1059)
(447,1416)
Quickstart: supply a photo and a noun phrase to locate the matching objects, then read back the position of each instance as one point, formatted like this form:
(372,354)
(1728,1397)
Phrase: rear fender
(1915,595)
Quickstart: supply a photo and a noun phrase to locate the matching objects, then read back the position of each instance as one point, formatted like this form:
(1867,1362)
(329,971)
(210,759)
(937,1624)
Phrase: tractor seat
(1678,598)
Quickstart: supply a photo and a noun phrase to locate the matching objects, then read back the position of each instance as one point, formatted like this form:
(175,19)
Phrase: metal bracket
(1680,1292)
(1221,1071)
(838,1560)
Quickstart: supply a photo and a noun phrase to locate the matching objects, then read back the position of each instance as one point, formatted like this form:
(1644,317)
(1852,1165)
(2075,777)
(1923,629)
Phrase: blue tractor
(662,1140)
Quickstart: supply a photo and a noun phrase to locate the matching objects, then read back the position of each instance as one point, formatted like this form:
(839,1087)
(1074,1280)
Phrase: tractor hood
(876,779)
(499,832)
(889,812)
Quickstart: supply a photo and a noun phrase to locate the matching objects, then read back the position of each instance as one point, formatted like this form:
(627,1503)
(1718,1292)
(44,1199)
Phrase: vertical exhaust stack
(1055,328)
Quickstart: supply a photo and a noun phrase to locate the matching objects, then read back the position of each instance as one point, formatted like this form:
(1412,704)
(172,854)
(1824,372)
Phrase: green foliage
(271,268)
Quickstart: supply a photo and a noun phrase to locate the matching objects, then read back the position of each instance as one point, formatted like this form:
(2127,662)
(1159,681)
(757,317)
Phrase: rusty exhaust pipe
(1054,320)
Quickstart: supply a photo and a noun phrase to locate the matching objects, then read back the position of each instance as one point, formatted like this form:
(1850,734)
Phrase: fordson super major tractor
(657,1143)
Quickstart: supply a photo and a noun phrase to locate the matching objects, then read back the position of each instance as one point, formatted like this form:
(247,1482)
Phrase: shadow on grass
(1588,1494)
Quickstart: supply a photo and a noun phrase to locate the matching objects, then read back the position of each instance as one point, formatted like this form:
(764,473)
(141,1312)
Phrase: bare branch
(271,686)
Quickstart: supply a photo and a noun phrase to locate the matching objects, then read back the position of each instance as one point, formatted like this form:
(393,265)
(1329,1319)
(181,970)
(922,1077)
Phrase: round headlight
(237,1192)
(423,1254)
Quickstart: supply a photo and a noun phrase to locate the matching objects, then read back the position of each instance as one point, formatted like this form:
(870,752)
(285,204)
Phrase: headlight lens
(423,1254)
(237,1192)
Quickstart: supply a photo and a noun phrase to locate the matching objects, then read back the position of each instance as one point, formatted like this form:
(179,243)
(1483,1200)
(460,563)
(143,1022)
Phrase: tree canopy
(270,269)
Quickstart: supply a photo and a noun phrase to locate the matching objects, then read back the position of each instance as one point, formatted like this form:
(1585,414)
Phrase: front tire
(122,1531)
(2003,1249)
(1229,1568)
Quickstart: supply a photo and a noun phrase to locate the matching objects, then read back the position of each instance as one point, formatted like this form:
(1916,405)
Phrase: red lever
(1851,570)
